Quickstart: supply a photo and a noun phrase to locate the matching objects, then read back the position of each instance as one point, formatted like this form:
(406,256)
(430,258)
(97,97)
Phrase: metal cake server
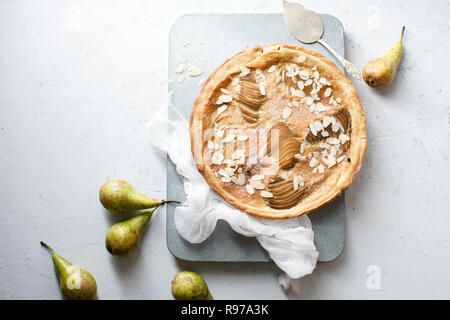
(307,27)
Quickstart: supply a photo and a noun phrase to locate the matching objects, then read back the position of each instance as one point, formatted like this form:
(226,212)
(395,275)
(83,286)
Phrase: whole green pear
(187,285)
(75,283)
(119,196)
(381,72)
(123,237)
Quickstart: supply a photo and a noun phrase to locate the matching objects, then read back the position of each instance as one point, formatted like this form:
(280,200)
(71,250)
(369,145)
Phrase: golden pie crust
(278,131)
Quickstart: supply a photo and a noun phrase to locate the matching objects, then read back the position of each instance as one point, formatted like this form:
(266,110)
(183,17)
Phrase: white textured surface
(80,79)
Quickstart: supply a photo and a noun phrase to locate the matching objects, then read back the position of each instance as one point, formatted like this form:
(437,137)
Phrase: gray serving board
(213,39)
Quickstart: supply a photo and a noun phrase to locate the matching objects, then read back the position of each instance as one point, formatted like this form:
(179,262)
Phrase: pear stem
(401,36)
(171,201)
(47,246)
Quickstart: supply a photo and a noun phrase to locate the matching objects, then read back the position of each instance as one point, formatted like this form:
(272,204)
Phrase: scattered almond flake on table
(180,79)
(184,42)
(164,80)
(200,83)
(299,157)
(266,194)
(193,71)
(180,59)
(180,68)
(225,91)
(272,68)
(286,112)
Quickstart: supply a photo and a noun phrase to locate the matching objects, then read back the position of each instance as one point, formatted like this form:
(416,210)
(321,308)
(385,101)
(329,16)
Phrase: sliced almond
(180,68)
(221,109)
(257,177)
(287,112)
(244,71)
(194,71)
(320,168)
(257,185)
(333,141)
(262,88)
(314,162)
(266,194)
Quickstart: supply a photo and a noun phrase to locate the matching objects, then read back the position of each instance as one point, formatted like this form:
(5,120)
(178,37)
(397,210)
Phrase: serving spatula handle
(349,67)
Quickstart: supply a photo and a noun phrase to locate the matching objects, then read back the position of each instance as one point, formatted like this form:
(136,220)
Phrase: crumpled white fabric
(289,242)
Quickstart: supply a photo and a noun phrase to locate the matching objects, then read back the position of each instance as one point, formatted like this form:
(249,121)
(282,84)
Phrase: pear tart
(278,131)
